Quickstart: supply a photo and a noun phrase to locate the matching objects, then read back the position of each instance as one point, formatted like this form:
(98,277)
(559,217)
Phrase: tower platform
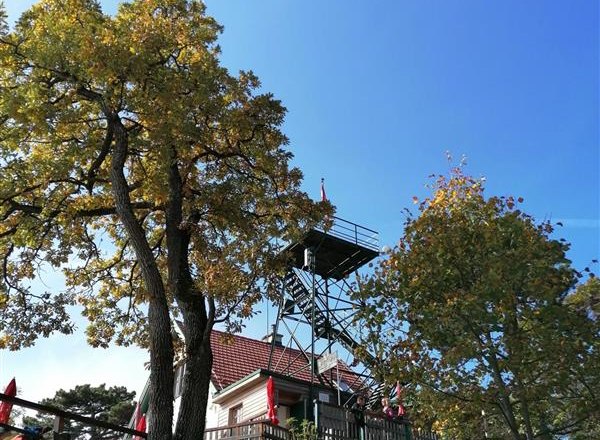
(339,249)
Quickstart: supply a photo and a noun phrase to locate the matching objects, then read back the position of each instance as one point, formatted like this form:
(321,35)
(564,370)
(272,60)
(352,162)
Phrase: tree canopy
(155,180)
(114,405)
(475,310)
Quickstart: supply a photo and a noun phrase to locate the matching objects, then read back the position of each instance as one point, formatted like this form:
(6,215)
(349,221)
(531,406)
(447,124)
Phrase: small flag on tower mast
(323,195)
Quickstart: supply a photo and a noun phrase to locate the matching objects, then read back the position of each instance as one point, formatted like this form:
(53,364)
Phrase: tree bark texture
(197,322)
(192,411)
(159,324)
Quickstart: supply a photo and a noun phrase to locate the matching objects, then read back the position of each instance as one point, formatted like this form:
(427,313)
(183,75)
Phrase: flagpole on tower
(323,195)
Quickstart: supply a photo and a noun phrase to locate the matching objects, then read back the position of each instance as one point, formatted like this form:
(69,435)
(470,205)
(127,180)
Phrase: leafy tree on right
(480,313)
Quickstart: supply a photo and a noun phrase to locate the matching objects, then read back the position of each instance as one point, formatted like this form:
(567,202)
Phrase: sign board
(323,397)
(326,362)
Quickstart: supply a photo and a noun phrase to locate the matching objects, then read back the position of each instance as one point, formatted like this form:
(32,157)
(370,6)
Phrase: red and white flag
(137,415)
(140,426)
(323,195)
(401,409)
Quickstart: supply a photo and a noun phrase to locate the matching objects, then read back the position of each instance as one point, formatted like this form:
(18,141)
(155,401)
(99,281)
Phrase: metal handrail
(69,415)
(335,422)
(258,430)
(347,230)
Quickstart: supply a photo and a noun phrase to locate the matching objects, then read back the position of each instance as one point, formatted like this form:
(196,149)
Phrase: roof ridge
(236,335)
(283,347)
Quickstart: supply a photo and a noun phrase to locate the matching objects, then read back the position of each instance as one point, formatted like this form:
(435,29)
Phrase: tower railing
(352,232)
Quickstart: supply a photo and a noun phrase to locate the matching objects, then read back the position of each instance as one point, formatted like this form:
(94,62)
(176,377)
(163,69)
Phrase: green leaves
(479,289)
(65,71)
(153,179)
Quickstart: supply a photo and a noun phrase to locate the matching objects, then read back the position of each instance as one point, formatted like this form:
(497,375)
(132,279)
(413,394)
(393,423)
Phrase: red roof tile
(233,360)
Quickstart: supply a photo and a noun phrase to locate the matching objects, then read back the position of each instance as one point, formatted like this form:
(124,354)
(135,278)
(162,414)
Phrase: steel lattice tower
(315,308)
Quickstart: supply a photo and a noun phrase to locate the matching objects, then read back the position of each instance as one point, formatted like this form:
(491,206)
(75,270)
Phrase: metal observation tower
(315,308)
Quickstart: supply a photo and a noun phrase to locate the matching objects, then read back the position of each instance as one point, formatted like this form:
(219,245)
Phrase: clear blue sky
(378,91)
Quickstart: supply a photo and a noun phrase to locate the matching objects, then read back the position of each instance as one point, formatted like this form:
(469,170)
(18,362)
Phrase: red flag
(140,426)
(137,415)
(323,195)
(6,407)
(401,410)
(271,410)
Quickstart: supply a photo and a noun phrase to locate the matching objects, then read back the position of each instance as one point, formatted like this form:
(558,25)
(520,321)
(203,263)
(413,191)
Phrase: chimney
(276,338)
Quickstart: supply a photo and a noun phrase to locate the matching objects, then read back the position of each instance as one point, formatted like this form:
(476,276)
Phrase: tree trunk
(504,400)
(160,426)
(512,331)
(197,322)
(524,408)
(504,396)
(160,416)
(192,411)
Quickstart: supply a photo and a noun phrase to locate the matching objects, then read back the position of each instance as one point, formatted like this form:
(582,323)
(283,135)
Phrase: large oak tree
(154,179)
(475,310)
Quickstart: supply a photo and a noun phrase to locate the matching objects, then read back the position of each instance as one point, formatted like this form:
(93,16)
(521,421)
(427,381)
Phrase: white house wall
(254,404)
(212,409)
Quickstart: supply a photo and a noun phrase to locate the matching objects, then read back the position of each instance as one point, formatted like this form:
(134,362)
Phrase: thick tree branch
(104,150)
(81,213)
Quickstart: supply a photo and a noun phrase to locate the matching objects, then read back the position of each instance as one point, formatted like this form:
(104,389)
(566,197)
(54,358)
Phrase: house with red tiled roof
(237,406)
(240,371)
(238,392)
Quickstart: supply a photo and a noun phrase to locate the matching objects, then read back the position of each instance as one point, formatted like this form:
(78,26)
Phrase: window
(343,386)
(235,415)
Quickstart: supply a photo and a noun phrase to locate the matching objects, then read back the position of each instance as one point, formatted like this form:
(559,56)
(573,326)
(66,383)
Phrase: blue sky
(377,92)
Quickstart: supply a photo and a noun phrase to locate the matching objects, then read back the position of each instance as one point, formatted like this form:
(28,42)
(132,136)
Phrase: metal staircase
(316,294)
(329,328)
